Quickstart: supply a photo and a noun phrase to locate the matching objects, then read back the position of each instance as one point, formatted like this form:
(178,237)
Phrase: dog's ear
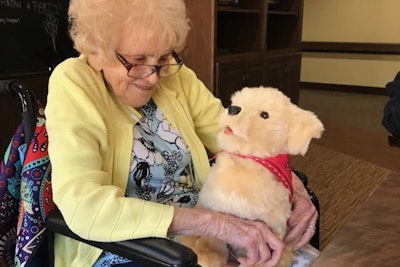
(304,126)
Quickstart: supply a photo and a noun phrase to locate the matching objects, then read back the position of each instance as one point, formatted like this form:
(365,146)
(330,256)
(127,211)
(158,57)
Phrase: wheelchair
(22,243)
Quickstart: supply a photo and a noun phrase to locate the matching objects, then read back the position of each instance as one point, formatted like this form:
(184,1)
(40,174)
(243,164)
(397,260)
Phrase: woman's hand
(262,245)
(304,216)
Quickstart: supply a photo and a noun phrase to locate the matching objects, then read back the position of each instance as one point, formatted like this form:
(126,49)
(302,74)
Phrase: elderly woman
(128,127)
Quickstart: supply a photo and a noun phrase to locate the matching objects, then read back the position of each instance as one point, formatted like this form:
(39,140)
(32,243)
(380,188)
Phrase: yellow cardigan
(90,145)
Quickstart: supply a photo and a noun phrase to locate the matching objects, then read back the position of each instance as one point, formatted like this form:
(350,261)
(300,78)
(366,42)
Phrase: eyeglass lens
(147,70)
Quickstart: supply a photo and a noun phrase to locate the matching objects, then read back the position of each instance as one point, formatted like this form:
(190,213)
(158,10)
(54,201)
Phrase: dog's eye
(264,115)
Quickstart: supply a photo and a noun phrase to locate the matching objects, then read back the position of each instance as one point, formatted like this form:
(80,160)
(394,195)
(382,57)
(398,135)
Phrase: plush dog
(252,176)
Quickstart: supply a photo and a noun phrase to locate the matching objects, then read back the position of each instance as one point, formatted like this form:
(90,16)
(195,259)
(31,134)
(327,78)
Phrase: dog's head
(263,122)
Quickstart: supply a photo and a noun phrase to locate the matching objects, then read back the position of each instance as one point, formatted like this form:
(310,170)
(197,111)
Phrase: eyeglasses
(145,70)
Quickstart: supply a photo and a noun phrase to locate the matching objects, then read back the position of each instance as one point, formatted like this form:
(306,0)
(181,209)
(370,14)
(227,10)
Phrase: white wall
(369,21)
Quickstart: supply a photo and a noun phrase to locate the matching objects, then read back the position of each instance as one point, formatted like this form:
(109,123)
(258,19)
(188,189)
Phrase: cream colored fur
(243,187)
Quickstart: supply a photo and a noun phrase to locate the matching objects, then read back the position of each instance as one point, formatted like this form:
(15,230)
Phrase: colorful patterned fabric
(26,197)
(10,183)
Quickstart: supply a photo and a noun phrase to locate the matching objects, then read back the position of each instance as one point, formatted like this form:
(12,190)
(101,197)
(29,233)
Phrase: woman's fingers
(302,232)
(264,246)
(308,233)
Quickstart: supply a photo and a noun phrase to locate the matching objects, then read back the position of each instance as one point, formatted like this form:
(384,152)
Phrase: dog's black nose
(234,110)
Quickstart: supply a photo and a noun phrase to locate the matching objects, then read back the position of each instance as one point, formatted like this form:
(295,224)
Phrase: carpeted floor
(341,182)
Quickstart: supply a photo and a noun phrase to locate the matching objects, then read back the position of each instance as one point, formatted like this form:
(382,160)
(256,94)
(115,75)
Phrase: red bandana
(279,166)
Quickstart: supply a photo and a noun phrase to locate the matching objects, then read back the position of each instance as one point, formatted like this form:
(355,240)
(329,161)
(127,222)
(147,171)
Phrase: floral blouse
(161,169)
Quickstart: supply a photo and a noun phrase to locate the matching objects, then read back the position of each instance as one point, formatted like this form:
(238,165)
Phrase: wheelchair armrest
(149,251)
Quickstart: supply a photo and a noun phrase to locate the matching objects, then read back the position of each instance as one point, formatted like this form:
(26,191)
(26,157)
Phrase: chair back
(25,194)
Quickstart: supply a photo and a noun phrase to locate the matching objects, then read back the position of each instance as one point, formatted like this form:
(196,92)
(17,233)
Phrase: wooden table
(372,235)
